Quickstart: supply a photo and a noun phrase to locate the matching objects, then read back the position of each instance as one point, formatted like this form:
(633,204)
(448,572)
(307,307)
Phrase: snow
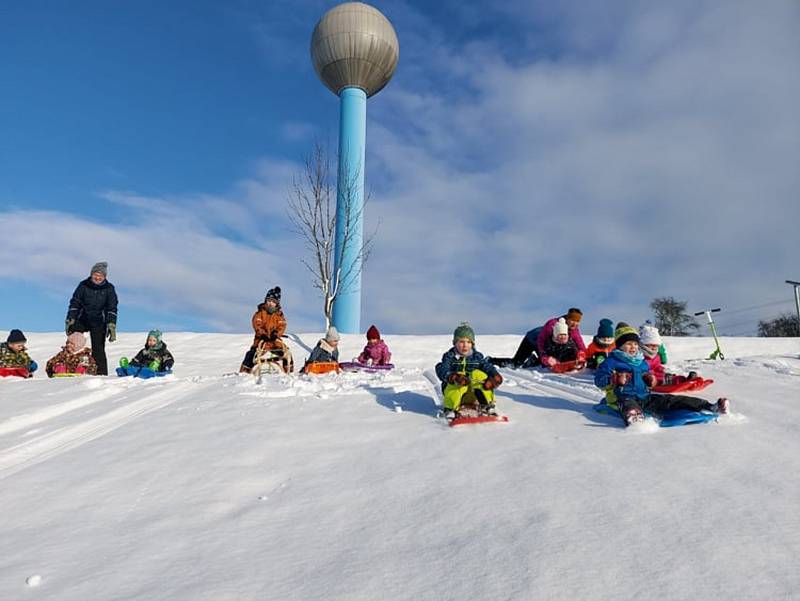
(204,485)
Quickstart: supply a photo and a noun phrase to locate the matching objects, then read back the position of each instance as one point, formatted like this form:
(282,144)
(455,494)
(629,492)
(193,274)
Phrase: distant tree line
(783,325)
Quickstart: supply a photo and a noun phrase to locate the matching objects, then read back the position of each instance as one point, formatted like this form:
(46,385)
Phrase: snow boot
(633,415)
(722,406)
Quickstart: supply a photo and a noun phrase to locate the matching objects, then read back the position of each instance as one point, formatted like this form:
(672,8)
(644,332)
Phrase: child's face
(562,338)
(463,346)
(653,348)
(606,340)
(333,343)
(151,341)
(630,347)
(271,304)
(373,341)
(16,346)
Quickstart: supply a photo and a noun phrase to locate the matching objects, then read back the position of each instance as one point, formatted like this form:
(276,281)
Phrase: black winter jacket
(95,305)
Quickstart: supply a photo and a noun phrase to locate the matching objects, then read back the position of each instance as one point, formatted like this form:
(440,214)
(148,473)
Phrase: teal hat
(464,330)
(155,334)
(606,329)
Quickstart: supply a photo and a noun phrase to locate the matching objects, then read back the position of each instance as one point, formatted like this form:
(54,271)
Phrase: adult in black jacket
(93,309)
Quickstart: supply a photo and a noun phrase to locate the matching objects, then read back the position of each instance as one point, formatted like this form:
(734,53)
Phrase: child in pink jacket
(376,352)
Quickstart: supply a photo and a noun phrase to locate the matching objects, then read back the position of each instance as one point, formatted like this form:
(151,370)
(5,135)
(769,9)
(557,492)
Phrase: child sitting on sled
(601,345)
(14,358)
(327,349)
(626,378)
(376,352)
(269,325)
(467,375)
(74,359)
(561,348)
(154,356)
(655,354)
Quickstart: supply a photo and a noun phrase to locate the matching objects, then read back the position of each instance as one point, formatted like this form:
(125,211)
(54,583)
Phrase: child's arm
(167,360)
(602,377)
(387,356)
(444,367)
(364,356)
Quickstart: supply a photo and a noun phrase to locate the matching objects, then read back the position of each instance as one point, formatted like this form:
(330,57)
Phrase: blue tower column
(350,190)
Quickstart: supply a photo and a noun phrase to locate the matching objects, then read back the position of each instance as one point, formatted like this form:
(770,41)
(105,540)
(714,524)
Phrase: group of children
(628,363)
(75,358)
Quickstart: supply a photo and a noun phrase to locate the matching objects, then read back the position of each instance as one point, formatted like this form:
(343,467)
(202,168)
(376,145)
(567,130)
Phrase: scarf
(626,358)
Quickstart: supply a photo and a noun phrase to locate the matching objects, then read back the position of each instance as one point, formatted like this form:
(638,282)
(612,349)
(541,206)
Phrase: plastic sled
(321,367)
(684,385)
(356,366)
(565,366)
(18,372)
(141,372)
(672,418)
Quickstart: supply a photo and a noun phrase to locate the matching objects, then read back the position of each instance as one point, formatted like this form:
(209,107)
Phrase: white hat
(649,335)
(560,328)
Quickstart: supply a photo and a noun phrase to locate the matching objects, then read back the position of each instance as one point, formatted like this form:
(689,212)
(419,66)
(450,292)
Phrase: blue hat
(606,329)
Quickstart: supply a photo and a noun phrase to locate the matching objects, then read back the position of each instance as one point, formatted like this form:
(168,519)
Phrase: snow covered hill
(204,486)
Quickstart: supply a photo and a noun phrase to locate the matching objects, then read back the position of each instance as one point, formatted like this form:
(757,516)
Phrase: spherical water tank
(354,45)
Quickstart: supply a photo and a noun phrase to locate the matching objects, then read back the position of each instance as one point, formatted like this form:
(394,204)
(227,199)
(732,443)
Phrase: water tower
(355,50)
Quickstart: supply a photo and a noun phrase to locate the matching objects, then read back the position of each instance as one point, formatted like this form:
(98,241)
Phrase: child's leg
(630,409)
(659,403)
(477,378)
(453,393)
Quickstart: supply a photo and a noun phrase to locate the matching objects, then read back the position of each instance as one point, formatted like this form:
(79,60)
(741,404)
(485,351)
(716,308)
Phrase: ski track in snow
(49,445)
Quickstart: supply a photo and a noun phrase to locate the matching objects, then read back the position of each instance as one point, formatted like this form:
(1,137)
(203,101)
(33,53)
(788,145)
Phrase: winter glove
(68,323)
(492,382)
(458,378)
(549,361)
(154,365)
(599,360)
(620,378)
(649,379)
(33,367)
(112,332)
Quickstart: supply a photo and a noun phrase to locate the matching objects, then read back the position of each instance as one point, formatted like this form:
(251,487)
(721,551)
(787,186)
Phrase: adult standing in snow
(535,339)
(93,309)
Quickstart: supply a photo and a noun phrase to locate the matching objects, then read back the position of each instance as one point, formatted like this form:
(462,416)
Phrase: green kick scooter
(717,354)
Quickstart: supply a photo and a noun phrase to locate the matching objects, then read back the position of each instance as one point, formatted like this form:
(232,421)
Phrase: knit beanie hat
(625,334)
(649,335)
(574,314)
(16,336)
(606,329)
(621,324)
(464,330)
(373,333)
(77,340)
(155,334)
(100,267)
(560,328)
(274,294)
(332,335)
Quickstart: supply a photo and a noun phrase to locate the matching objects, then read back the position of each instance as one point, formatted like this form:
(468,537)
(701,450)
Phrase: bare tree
(312,213)
(784,325)
(671,316)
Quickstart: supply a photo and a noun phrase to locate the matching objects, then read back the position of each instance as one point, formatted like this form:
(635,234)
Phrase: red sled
(565,366)
(18,372)
(477,419)
(684,385)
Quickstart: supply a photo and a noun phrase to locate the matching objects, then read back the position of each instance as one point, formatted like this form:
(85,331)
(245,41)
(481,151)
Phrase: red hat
(373,333)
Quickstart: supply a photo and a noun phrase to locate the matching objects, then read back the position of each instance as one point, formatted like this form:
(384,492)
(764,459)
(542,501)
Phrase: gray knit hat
(100,267)
(332,335)
(464,330)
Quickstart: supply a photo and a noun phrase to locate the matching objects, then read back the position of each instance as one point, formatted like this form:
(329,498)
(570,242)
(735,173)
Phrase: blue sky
(526,157)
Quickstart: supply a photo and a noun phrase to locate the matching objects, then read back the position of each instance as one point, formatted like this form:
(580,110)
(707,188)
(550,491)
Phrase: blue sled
(674,417)
(141,372)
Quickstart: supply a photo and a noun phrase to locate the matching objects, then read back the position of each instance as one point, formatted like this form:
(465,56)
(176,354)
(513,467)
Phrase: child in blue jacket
(463,371)
(627,380)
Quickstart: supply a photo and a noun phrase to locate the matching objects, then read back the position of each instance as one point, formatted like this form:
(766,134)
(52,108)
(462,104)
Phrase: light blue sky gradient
(527,157)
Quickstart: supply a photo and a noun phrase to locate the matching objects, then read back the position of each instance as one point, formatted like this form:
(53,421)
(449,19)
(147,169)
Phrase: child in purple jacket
(376,352)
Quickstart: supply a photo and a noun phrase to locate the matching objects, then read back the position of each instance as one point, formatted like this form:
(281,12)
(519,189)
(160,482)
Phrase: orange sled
(322,367)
